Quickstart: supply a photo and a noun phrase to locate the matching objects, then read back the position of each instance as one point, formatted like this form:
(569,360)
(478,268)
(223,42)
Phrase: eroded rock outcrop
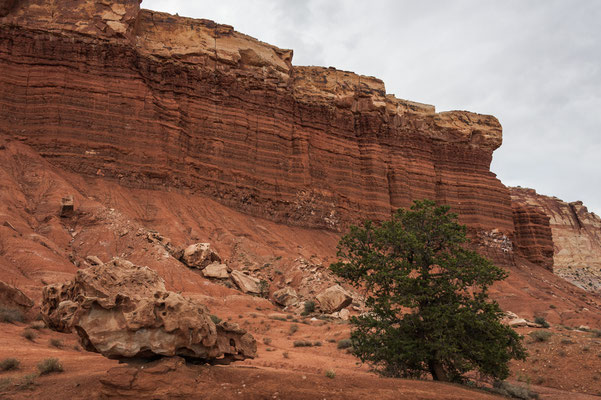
(219,113)
(533,238)
(121,310)
(334,299)
(13,298)
(199,255)
(576,236)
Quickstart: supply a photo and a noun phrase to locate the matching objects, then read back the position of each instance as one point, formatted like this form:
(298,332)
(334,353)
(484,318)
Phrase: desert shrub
(215,319)
(317,343)
(302,343)
(289,316)
(309,306)
(331,340)
(540,336)
(9,364)
(345,344)
(50,365)
(586,349)
(285,354)
(27,381)
(541,321)
(267,341)
(270,349)
(37,325)
(264,288)
(56,343)
(29,334)
(596,333)
(293,329)
(277,318)
(567,341)
(11,315)
(515,391)
(331,374)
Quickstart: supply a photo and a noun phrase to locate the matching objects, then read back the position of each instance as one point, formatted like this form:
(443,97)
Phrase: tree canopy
(427,298)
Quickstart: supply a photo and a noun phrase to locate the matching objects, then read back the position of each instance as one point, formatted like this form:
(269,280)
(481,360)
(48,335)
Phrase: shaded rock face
(13,298)
(246,283)
(576,236)
(285,296)
(219,113)
(121,310)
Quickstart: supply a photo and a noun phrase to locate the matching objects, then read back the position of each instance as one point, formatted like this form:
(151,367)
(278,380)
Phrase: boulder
(344,314)
(199,255)
(93,260)
(246,283)
(285,297)
(122,310)
(334,299)
(216,270)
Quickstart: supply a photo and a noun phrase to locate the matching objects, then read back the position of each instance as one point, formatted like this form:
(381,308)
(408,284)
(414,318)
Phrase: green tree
(427,297)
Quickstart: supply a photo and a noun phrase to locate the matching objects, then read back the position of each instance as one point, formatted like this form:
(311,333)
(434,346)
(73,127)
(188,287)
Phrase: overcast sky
(534,64)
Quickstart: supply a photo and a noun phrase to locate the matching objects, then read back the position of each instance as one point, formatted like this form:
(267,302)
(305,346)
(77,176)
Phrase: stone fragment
(215,270)
(67,207)
(344,314)
(285,296)
(246,283)
(333,299)
(122,310)
(199,255)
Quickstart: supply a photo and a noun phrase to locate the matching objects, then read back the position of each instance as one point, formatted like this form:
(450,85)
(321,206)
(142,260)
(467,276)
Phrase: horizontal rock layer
(157,101)
(576,235)
(532,239)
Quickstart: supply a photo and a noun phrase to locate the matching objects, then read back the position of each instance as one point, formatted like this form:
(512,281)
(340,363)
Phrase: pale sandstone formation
(121,311)
(285,296)
(334,299)
(246,283)
(172,102)
(216,270)
(576,236)
(199,255)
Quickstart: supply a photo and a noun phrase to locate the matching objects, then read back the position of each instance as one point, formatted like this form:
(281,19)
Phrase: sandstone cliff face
(533,239)
(161,102)
(576,236)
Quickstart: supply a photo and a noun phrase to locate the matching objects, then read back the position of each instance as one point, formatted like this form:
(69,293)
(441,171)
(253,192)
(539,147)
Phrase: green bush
(9,364)
(302,343)
(345,344)
(309,306)
(49,366)
(27,381)
(293,329)
(216,320)
(541,321)
(330,374)
(11,315)
(56,343)
(540,336)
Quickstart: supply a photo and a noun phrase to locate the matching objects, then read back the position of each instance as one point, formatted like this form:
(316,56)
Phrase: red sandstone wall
(533,239)
(162,102)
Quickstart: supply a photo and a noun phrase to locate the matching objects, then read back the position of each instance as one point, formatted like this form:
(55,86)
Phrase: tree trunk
(437,371)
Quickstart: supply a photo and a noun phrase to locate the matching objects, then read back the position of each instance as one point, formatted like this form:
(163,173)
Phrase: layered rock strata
(122,311)
(157,101)
(576,235)
(533,239)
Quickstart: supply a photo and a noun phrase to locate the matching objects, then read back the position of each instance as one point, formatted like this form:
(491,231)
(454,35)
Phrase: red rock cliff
(576,236)
(163,102)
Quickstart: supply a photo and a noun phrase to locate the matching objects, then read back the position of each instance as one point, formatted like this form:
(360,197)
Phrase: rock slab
(122,311)
(334,299)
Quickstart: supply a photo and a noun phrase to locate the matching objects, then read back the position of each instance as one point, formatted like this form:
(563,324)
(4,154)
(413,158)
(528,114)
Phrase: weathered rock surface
(246,283)
(216,270)
(334,299)
(219,113)
(576,236)
(13,298)
(199,255)
(285,296)
(533,239)
(121,310)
